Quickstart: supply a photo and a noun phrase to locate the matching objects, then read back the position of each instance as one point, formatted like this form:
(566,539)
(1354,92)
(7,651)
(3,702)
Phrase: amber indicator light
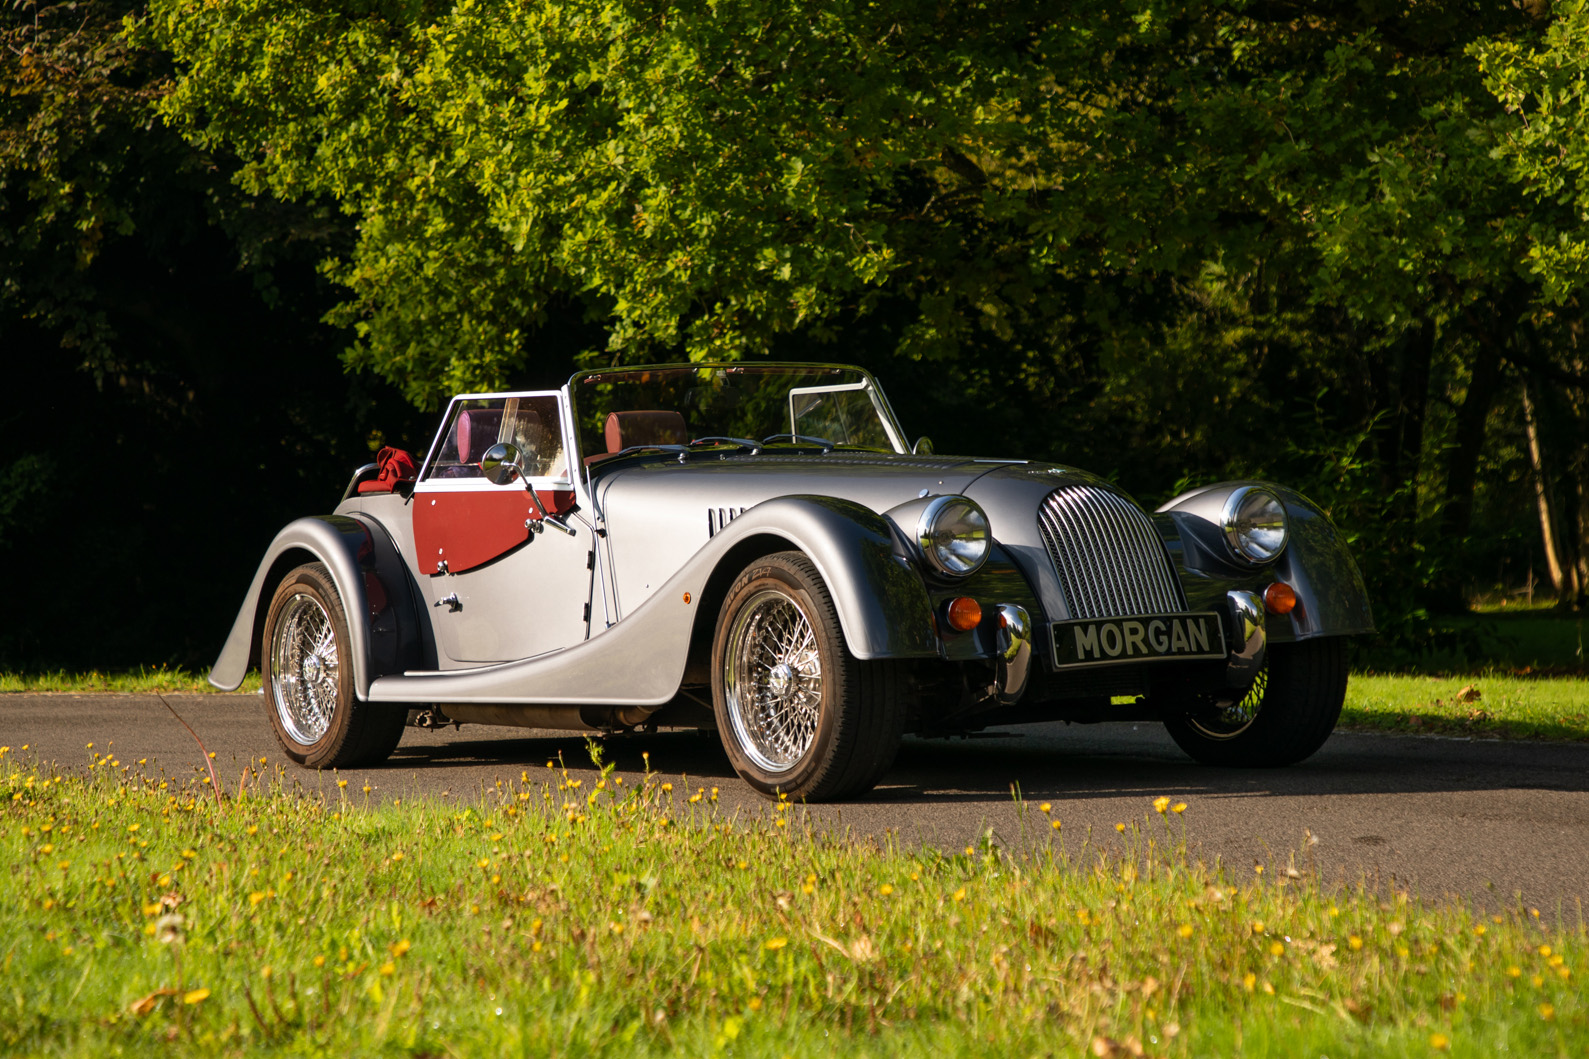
(963,614)
(686,597)
(1279,598)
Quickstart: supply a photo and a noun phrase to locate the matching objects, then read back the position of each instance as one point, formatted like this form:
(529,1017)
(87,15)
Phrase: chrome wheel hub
(772,680)
(303,669)
(1228,720)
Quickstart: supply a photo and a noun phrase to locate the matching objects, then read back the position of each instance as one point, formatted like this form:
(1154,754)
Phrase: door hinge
(587,614)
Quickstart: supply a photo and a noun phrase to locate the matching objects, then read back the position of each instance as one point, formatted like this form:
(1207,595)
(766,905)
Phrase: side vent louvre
(718,518)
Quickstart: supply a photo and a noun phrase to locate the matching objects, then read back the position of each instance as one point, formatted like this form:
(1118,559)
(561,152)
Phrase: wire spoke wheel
(306,658)
(1285,716)
(773,681)
(799,715)
(303,654)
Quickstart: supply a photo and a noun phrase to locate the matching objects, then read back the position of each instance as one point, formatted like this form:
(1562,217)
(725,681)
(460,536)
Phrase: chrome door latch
(450,601)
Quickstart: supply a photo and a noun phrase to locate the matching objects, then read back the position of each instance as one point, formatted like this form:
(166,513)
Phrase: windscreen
(804,404)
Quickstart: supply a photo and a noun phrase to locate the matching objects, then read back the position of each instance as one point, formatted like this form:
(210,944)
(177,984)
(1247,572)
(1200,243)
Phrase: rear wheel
(307,667)
(797,713)
(1289,712)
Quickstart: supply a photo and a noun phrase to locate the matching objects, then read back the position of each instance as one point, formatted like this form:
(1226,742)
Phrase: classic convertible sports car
(756,548)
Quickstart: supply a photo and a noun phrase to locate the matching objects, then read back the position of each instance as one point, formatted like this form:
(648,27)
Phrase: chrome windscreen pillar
(1013,658)
(1247,650)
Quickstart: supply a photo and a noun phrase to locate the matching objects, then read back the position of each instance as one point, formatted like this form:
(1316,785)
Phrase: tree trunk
(1401,444)
(1560,518)
(1462,466)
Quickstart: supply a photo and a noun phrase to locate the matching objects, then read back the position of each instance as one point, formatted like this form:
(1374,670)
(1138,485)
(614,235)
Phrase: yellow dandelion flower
(1120,828)
(388,969)
(1480,930)
(1257,869)
(1054,824)
(256,897)
(885,889)
(960,894)
(1257,926)
(1249,980)
(1178,807)
(319,961)
(195,996)
(1514,971)
(774,944)
(1185,930)
(1538,981)
(1547,1012)
(397,948)
(1161,804)
(1439,1042)
(1277,949)
(667,787)
(1045,808)
(342,784)
(1355,942)
(368,788)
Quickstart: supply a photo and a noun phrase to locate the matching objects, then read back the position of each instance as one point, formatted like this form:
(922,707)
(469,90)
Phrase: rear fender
(383,622)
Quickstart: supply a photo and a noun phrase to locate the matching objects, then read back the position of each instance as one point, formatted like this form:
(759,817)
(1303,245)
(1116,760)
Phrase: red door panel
(466,529)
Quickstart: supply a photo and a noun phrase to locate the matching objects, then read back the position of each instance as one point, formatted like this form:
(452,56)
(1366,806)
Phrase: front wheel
(307,667)
(797,713)
(1288,713)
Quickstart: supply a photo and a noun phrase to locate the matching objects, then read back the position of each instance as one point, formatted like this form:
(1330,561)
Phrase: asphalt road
(1493,822)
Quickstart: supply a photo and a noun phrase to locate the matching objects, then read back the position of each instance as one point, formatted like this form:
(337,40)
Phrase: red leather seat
(626,429)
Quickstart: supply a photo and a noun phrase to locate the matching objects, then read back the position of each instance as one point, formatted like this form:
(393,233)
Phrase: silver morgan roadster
(756,548)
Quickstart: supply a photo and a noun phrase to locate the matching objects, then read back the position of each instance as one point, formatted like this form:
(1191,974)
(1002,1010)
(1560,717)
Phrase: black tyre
(306,662)
(1289,713)
(797,713)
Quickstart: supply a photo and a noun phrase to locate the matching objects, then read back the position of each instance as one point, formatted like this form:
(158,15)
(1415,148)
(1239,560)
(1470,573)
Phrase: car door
(498,590)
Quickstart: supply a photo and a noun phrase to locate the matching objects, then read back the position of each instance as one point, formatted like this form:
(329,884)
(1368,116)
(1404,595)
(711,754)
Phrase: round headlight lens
(953,534)
(1255,524)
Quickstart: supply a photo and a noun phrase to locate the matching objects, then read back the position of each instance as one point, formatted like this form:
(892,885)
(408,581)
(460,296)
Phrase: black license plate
(1140,638)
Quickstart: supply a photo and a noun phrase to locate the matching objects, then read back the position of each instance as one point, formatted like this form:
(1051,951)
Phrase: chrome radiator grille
(1109,557)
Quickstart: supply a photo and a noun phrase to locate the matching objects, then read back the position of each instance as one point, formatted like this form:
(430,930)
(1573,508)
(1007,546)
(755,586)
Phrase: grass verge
(144,680)
(1491,705)
(570,913)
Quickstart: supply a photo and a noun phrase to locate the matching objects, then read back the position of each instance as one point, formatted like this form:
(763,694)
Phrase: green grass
(1513,640)
(1491,705)
(572,914)
(145,680)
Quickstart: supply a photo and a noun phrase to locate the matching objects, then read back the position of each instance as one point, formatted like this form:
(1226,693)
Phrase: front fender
(884,611)
(1331,599)
(369,575)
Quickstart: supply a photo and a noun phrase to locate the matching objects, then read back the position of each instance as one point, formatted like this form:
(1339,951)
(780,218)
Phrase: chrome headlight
(1255,524)
(953,535)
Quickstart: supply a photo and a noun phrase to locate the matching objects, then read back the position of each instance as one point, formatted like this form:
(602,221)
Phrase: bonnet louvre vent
(717,518)
(1109,557)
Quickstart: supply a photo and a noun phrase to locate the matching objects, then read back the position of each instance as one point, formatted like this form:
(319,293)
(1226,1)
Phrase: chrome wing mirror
(923,447)
(502,463)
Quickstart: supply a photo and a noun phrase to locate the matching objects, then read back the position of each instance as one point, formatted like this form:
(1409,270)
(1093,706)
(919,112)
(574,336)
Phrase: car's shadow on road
(1053,762)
